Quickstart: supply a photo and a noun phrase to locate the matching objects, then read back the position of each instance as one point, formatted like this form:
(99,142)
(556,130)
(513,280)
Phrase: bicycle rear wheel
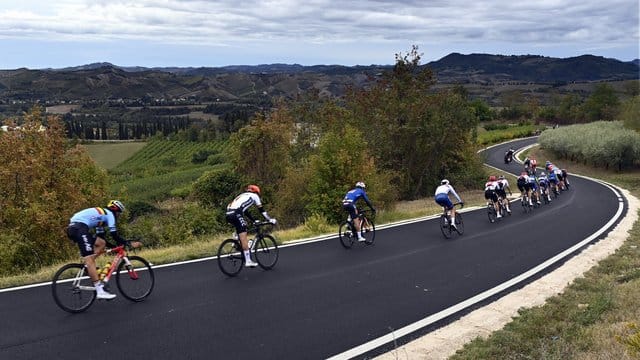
(459,224)
(368,231)
(444,226)
(230,257)
(491,213)
(72,289)
(347,235)
(135,281)
(266,252)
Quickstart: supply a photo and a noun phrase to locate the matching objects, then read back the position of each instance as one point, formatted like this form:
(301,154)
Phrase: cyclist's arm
(455,194)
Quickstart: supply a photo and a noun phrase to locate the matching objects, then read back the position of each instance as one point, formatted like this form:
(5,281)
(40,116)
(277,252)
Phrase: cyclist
(553,181)
(533,190)
(442,199)
(236,211)
(527,164)
(523,186)
(503,186)
(544,183)
(534,165)
(349,205)
(91,246)
(564,178)
(490,188)
(508,156)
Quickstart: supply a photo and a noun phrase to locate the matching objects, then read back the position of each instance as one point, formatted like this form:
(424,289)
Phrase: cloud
(224,23)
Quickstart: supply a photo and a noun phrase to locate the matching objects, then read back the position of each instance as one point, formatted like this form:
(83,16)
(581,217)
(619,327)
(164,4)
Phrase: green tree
(413,132)
(43,181)
(602,104)
(630,113)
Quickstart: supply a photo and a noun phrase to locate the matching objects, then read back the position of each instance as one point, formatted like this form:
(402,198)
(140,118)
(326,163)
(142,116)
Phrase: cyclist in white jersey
(490,193)
(442,199)
(236,211)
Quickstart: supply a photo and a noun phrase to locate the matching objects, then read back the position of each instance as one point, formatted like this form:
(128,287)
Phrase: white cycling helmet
(444,182)
(361,185)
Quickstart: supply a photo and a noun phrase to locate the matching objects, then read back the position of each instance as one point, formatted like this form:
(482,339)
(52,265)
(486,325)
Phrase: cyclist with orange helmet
(236,211)
(91,246)
(349,205)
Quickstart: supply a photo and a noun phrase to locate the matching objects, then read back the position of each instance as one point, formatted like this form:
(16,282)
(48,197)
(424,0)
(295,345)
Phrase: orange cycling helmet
(492,178)
(254,189)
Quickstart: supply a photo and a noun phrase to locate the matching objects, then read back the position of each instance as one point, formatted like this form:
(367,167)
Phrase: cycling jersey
(356,194)
(96,218)
(243,202)
(237,209)
(543,182)
(533,184)
(490,190)
(503,184)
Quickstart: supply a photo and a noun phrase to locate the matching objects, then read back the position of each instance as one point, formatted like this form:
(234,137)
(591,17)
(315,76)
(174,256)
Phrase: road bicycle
(348,234)
(73,290)
(262,246)
(491,210)
(445,223)
(544,194)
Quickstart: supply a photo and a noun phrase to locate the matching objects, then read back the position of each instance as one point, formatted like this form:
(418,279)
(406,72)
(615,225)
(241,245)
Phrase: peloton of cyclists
(503,186)
(551,168)
(490,188)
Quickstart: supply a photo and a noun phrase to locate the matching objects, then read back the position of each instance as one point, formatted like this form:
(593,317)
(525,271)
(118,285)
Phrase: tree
(602,104)
(43,181)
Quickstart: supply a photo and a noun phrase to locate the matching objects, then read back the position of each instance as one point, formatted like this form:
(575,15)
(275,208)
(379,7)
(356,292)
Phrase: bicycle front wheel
(230,257)
(347,235)
(459,224)
(266,252)
(368,231)
(72,288)
(135,280)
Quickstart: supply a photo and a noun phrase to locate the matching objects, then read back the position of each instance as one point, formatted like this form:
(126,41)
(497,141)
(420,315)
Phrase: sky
(40,34)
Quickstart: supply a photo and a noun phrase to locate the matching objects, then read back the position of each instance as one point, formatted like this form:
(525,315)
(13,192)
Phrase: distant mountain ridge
(105,80)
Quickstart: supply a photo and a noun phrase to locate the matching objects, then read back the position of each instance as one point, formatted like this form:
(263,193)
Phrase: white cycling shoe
(250,263)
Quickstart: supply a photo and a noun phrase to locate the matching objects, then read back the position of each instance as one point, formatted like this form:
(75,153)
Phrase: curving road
(320,301)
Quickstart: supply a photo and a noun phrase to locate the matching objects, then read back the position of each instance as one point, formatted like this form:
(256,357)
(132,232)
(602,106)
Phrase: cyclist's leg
(240,223)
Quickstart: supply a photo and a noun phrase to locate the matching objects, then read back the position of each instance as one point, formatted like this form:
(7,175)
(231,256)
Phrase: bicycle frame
(121,255)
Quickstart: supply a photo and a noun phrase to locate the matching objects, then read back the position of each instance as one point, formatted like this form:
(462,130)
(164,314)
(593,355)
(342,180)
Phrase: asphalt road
(319,301)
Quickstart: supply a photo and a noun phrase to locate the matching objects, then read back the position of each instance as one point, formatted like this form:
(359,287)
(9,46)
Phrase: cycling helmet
(542,174)
(523,173)
(361,185)
(254,189)
(492,178)
(444,182)
(115,205)
(501,177)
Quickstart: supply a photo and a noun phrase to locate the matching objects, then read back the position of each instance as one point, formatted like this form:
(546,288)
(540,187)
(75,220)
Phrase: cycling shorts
(79,233)
(533,186)
(236,219)
(350,207)
(502,193)
(491,194)
(444,201)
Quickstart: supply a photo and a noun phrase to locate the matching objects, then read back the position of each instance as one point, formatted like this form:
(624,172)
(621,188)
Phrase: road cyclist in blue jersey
(235,215)
(533,189)
(544,184)
(349,205)
(92,245)
(442,198)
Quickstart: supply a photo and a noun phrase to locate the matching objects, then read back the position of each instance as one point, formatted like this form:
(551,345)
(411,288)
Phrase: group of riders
(99,219)
(535,187)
